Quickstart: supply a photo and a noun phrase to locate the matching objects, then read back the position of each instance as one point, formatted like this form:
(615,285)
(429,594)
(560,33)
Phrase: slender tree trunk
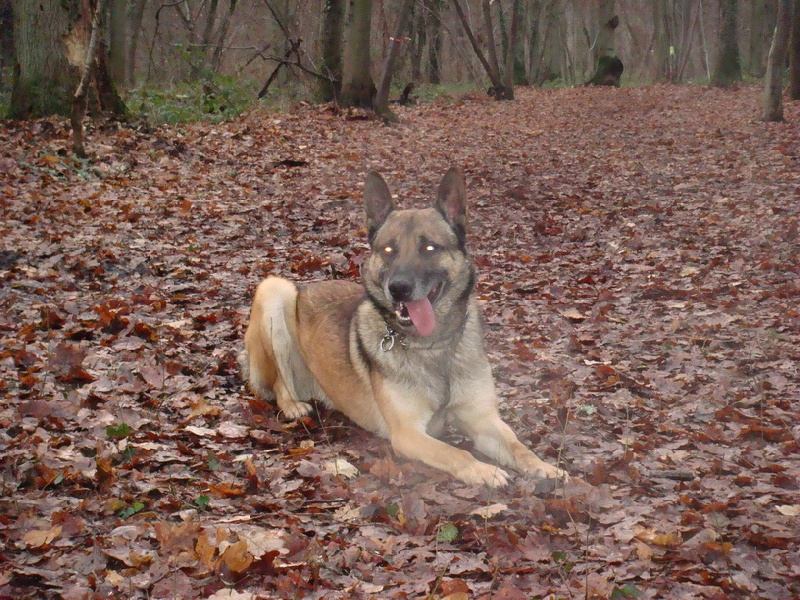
(44,79)
(137,15)
(492,71)
(691,21)
(773,88)
(332,31)
(358,88)
(107,93)
(662,41)
(727,70)
(491,43)
(382,97)
(434,42)
(201,58)
(220,37)
(704,43)
(117,28)
(755,60)
(510,49)
(420,15)
(794,53)
(79,100)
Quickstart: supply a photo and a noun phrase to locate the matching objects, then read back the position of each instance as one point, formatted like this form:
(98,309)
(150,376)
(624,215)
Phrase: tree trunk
(604,45)
(434,42)
(44,79)
(608,67)
(727,70)
(492,70)
(491,43)
(107,94)
(137,15)
(200,59)
(773,88)
(382,97)
(220,36)
(662,41)
(511,48)
(794,53)
(332,30)
(358,88)
(755,59)
(419,38)
(6,37)
(117,29)
(691,20)
(79,100)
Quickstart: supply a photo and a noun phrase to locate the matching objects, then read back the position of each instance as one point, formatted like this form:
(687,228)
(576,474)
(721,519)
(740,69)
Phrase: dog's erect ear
(452,202)
(378,202)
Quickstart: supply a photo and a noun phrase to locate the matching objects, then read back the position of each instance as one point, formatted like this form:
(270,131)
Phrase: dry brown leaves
(638,257)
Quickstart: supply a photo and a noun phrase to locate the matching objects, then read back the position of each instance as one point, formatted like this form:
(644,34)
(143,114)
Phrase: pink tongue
(421,313)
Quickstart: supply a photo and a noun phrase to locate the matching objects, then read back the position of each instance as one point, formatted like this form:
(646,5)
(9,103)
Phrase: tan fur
(328,341)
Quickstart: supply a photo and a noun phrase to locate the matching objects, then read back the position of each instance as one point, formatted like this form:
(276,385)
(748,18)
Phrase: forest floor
(638,268)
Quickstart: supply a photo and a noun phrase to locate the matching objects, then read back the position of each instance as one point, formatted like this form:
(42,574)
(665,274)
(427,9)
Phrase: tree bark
(434,43)
(44,79)
(382,97)
(358,87)
(332,30)
(137,15)
(690,23)
(117,30)
(79,100)
(755,59)
(220,36)
(662,41)
(727,70)
(419,38)
(773,88)
(511,49)
(608,67)
(794,53)
(492,71)
(491,43)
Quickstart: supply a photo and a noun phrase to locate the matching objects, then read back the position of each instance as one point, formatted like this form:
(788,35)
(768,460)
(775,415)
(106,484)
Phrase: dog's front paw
(295,409)
(536,468)
(484,474)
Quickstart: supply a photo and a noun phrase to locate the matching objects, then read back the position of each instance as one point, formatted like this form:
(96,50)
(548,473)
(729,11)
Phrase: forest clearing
(637,255)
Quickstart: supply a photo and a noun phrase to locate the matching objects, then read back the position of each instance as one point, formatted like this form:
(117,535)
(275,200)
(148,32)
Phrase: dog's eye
(430,247)
(388,249)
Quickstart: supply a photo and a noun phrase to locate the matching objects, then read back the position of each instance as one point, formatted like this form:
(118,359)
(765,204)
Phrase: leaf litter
(637,252)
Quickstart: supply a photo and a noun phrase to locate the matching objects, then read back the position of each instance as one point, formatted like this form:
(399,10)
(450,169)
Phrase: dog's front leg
(407,419)
(475,413)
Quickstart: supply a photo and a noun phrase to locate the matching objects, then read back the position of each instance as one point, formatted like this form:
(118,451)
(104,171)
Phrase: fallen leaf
(487,512)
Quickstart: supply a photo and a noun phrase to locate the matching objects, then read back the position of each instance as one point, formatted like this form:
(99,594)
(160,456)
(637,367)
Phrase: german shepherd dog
(403,354)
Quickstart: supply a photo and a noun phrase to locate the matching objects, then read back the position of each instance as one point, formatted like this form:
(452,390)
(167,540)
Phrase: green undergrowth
(214,100)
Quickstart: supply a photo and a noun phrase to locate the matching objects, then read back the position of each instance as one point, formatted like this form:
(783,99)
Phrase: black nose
(400,290)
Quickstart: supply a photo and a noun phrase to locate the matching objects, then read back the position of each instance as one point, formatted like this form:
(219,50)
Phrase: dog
(403,354)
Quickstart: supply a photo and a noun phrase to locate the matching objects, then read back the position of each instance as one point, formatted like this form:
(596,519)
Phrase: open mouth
(419,313)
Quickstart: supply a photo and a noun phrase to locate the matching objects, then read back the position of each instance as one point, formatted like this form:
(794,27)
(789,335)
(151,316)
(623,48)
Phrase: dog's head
(418,273)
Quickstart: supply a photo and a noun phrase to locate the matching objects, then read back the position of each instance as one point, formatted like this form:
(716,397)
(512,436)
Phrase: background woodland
(224,51)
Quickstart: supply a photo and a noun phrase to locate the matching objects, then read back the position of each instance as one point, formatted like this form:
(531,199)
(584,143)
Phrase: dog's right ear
(378,202)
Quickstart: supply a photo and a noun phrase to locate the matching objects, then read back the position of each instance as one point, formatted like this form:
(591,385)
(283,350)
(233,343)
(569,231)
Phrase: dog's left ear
(452,202)
(378,202)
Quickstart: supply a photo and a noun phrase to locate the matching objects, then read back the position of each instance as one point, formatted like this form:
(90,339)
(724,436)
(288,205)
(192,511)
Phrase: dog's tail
(272,357)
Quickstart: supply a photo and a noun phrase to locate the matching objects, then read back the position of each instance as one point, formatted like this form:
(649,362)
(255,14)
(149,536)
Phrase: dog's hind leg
(274,363)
